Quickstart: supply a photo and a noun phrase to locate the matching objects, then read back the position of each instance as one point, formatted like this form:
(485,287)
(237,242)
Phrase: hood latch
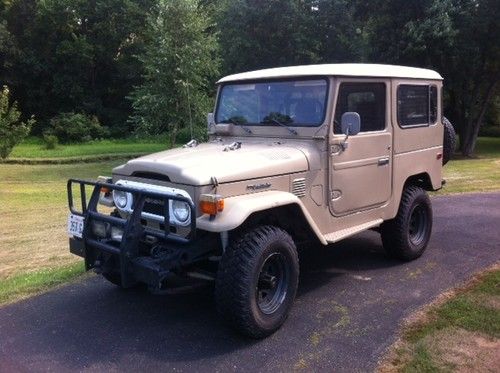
(233,146)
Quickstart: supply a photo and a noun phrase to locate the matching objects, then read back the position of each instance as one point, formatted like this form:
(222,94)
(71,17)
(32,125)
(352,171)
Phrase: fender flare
(237,209)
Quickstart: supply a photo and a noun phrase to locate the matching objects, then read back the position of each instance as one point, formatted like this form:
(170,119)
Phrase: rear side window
(417,105)
(366,99)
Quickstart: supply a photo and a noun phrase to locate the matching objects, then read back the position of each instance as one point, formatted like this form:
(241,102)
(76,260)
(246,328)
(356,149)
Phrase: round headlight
(181,211)
(121,198)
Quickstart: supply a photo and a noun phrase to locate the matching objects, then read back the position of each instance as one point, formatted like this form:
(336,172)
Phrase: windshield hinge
(191,144)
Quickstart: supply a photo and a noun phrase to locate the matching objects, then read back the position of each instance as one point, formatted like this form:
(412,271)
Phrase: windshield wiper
(247,130)
(232,121)
(272,120)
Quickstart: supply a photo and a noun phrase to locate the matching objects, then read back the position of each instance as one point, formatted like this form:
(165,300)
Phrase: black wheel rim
(272,285)
(418,225)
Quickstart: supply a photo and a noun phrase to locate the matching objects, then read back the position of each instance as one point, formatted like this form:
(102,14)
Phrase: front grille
(154,206)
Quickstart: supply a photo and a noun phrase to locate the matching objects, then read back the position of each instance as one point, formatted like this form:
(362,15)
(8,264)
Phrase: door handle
(383,161)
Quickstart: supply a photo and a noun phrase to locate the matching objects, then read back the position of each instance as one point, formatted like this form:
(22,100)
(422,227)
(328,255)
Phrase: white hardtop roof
(338,69)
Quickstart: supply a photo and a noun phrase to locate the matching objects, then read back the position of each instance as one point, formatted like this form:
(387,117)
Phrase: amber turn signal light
(211,204)
(105,179)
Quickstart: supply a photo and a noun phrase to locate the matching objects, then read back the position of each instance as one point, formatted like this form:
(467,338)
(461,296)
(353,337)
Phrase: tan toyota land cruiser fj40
(296,156)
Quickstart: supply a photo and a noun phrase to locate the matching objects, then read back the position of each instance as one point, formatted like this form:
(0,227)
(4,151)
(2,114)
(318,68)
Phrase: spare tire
(448,140)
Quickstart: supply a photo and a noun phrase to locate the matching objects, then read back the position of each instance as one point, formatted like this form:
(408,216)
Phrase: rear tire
(406,236)
(257,281)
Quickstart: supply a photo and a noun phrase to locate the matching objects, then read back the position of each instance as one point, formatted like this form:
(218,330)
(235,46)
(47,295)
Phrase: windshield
(273,103)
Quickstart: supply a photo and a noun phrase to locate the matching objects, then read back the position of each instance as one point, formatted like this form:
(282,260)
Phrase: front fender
(238,209)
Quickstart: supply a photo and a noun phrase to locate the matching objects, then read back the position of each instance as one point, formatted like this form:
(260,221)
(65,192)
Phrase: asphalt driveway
(351,300)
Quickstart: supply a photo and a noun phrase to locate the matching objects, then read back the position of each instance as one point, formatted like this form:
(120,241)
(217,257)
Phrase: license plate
(75,225)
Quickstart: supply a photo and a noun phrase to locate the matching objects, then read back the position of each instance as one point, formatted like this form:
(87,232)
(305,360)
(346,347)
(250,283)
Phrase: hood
(197,165)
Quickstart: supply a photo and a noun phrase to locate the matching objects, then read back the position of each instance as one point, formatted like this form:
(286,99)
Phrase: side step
(339,235)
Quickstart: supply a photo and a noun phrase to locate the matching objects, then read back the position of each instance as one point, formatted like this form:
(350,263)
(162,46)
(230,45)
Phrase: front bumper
(144,254)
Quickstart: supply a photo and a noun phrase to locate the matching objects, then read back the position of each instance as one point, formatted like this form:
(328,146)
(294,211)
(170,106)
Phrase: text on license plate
(75,225)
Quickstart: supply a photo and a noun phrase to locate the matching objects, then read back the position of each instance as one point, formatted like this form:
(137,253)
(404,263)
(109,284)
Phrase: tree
(341,32)
(259,34)
(473,67)
(12,129)
(179,62)
(458,38)
(416,33)
(76,55)
(7,50)
(62,56)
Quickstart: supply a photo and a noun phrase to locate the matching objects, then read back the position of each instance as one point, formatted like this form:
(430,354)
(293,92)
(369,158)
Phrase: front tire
(257,281)
(114,278)
(406,236)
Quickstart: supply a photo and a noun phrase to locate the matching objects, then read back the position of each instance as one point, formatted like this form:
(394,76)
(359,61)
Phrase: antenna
(189,109)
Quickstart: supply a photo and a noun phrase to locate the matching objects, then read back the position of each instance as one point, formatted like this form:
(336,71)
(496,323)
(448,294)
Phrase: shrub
(12,129)
(76,127)
(184,134)
(50,141)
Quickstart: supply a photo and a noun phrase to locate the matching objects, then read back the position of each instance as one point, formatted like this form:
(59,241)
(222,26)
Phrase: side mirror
(210,123)
(350,123)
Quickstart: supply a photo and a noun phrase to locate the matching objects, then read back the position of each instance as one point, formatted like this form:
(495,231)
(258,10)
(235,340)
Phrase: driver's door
(361,171)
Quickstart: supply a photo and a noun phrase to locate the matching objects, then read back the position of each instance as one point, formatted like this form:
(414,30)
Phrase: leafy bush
(12,129)
(76,127)
(184,134)
(50,141)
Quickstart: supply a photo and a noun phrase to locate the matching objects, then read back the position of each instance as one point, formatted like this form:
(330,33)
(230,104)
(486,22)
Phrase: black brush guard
(133,267)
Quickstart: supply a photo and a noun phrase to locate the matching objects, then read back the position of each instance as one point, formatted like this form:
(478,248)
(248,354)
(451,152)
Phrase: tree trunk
(460,103)
(472,130)
(469,110)
(173,135)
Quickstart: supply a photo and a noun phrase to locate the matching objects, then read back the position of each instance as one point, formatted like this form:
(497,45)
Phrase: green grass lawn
(460,332)
(479,174)
(33,148)
(33,211)
(25,284)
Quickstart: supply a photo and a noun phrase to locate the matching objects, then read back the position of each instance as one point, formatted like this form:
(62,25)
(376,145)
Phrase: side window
(366,99)
(417,105)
